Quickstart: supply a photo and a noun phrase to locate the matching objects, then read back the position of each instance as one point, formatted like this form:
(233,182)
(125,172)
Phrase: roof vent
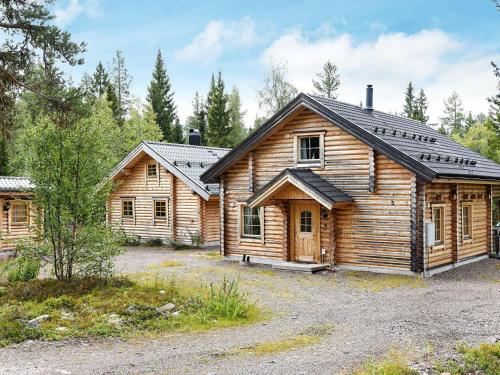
(369,98)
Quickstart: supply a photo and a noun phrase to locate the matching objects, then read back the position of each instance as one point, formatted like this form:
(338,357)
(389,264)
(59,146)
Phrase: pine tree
(198,119)
(420,111)
(453,120)
(177,132)
(236,114)
(409,106)
(161,98)
(99,81)
(469,122)
(113,103)
(121,81)
(218,130)
(494,111)
(328,81)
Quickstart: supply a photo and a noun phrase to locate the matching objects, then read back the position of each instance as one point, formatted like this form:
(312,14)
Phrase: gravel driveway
(460,305)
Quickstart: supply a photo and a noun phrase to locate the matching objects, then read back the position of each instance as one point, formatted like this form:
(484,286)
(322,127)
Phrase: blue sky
(440,45)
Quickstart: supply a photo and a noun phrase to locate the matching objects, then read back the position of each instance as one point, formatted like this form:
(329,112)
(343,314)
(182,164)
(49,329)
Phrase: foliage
(328,81)
(140,126)
(85,307)
(121,80)
(218,130)
(279,346)
(161,98)
(198,119)
(67,156)
(130,240)
(277,91)
(236,114)
(454,117)
(409,104)
(226,300)
(483,359)
(27,263)
(177,132)
(494,100)
(392,364)
(196,240)
(156,242)
(178,245)
(482,138)
(415,107)
(29,37)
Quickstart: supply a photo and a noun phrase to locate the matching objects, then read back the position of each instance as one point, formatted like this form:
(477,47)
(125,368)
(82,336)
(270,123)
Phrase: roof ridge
(185,145)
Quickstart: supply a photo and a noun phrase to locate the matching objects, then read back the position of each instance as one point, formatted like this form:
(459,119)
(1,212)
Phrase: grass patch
(377,282)
(310,337)
(392,364)
(483,359)
(117,307)
(213,254)
(166,264)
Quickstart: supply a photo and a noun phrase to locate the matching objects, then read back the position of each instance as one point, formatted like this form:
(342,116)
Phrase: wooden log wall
(211,225)
(187,215)
(373,231)
(13,233)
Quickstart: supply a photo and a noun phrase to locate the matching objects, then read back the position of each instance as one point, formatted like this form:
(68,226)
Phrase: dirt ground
(360,315)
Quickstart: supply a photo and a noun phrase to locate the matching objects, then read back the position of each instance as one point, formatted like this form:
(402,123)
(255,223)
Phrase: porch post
(284,207)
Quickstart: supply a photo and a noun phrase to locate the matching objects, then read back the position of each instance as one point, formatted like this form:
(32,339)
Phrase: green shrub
(178,245)
(23,269)
(131,240)
(226,301)
(195,239)
(156,242)
(483,359)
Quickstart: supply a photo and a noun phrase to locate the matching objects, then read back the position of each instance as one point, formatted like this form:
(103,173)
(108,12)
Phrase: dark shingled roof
(15,184)
(414,145)
(191,160)
(313,181)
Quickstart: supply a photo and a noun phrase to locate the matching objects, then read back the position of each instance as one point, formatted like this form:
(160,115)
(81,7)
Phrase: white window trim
(249,237)
(309,162)
(471,219)
(442,206)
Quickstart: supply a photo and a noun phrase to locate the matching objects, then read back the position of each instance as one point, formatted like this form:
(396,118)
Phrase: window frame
(155,216)
(308,223)
(442,222)
(12,216)
(298,136)
(122,203)
(155,165)
(308,150)
(241,228)
(470,218)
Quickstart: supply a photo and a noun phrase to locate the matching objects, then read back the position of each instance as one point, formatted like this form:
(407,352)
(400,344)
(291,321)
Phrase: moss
(392,364)
(378,282)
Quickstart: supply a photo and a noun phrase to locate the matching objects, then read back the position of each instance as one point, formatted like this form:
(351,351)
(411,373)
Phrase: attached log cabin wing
(18,215)
(409,200)
(158,194)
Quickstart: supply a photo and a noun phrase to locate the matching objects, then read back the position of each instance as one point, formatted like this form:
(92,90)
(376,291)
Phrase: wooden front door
(306,232)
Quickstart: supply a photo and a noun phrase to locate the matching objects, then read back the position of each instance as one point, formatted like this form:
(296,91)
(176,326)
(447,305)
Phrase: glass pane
(152,170)
(251,221)
(306,221)
(160,209)
(309,148)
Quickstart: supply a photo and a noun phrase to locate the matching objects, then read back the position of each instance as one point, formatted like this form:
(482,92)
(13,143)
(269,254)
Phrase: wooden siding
(210,220)
(373,231)
(11,233)
(187,212)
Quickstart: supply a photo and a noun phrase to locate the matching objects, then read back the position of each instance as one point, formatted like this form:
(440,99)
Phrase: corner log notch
(371,170)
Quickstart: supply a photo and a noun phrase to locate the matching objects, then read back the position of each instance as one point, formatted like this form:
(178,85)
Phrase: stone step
(300,267)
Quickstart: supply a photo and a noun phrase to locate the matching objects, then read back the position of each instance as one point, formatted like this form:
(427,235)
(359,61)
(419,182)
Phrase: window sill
(467,240)
(311,163)
(251,239)
(18,224)
(438,247)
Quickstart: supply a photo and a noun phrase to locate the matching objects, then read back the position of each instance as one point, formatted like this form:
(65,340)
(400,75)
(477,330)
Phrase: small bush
(226,301)
(155,242)
(131,240)
(393,364)
(484,359)
(196,239)
(23,269)
(178,245)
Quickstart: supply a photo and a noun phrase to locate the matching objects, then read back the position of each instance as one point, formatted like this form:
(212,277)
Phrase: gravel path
(460,305)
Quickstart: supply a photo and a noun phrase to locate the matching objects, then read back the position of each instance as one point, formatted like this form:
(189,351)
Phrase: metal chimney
(369,98)
(194,137)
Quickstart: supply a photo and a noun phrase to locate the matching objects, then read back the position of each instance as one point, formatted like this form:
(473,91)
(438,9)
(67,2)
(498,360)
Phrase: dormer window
(152,170)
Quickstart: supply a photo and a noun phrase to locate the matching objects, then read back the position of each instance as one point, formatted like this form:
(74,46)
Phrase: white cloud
(217,36)
(434,60)
(74,8)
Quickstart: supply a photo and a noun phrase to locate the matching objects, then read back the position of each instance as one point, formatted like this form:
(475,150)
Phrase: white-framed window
(20,213)
(309,148)
(438,218)
(467,213)
(251,222)
(160,209)
(128,208)
(152,170)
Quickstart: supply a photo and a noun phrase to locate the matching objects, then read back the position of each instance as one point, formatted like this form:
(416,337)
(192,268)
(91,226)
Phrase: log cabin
(325,183)
(158,193)
(17,215)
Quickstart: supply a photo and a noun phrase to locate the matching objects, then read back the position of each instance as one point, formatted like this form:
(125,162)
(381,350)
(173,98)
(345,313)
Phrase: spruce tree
(161,98)
(121,81)
(113,103)
(100,81)
(420,111)
(198,119)
(238,132)
(453,119)
(494,111)
(328,81)
(177,132)
(409,106)
(218,130)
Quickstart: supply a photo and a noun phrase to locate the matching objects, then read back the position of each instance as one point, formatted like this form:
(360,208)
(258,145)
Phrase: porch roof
(305,180)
